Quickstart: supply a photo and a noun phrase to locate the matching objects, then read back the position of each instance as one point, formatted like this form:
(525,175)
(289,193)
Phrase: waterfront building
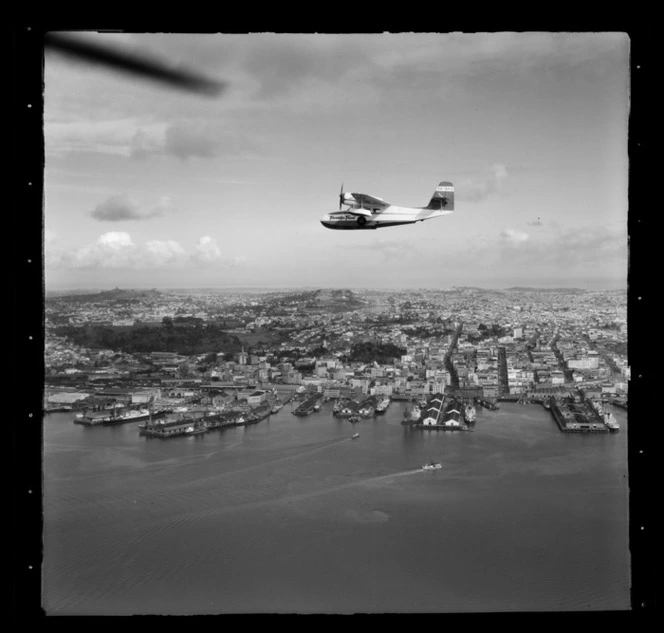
(490,391)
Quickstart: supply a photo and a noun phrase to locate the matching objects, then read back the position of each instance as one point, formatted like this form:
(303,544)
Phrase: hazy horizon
(287,288)
(150,187)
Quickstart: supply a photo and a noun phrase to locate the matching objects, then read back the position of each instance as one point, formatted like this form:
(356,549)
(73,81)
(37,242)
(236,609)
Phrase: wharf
(571,420)
(258,414)
(110,420)
(307,407)
(176,428)
(441,427)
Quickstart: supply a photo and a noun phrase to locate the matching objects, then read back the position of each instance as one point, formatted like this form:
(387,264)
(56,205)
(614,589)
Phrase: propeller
(341,196)
(143,67)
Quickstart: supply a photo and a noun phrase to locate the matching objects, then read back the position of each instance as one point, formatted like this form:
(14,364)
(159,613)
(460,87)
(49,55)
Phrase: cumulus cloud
(161,253)
(207,251)
(479,189)
(537,222)
(121,207)
(116,249)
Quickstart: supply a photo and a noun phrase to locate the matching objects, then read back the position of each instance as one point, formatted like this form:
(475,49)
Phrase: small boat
(355,436)
(432,466)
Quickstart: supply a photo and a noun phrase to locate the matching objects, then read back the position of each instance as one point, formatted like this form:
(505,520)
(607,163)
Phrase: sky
(147,186)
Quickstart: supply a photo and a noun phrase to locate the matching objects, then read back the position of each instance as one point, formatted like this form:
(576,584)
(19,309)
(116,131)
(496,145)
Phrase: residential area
(243,349)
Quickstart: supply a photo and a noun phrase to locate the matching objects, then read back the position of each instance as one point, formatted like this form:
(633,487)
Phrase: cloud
(512,237)
(186,140)
(121,207)
(207,251)
(479,189)
(537,222)
(144,144)
(282,65)
(588,249)
(116,249)
(108,137)
(197,139)
(166,252)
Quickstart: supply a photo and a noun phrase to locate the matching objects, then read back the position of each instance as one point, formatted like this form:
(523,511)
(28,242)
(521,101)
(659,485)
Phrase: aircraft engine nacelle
(350,200)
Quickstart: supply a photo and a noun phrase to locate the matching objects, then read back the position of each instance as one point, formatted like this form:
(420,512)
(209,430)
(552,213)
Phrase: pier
(175,428)
(577,418)
(307,407)
(122,418)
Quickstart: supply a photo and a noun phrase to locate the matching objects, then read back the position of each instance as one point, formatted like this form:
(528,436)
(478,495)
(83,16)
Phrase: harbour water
(292,516)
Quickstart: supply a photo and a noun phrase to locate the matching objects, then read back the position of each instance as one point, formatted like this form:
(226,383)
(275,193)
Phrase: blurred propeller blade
(341,195)
(143,67)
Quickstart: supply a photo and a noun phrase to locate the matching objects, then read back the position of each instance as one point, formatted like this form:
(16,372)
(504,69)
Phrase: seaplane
(368,212)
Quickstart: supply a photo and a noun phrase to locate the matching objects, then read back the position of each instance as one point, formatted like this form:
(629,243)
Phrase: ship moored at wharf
(94,418)
(382,406)
(607,417)
(611,422)
(488,404)
(175,428)
(308,406)
(411,416)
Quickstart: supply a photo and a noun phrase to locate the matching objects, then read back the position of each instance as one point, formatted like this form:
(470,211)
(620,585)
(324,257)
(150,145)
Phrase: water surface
(291,515)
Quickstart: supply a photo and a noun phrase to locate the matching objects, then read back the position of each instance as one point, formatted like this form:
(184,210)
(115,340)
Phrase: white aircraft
(369,212)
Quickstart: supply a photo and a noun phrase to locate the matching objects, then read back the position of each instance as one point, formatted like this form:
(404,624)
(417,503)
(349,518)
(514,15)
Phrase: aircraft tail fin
(443,197)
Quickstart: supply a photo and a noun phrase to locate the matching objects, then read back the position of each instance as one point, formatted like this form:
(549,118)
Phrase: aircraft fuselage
(381,218)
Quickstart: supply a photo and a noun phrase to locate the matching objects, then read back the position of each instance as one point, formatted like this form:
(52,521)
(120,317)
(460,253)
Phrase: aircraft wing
(366,199)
